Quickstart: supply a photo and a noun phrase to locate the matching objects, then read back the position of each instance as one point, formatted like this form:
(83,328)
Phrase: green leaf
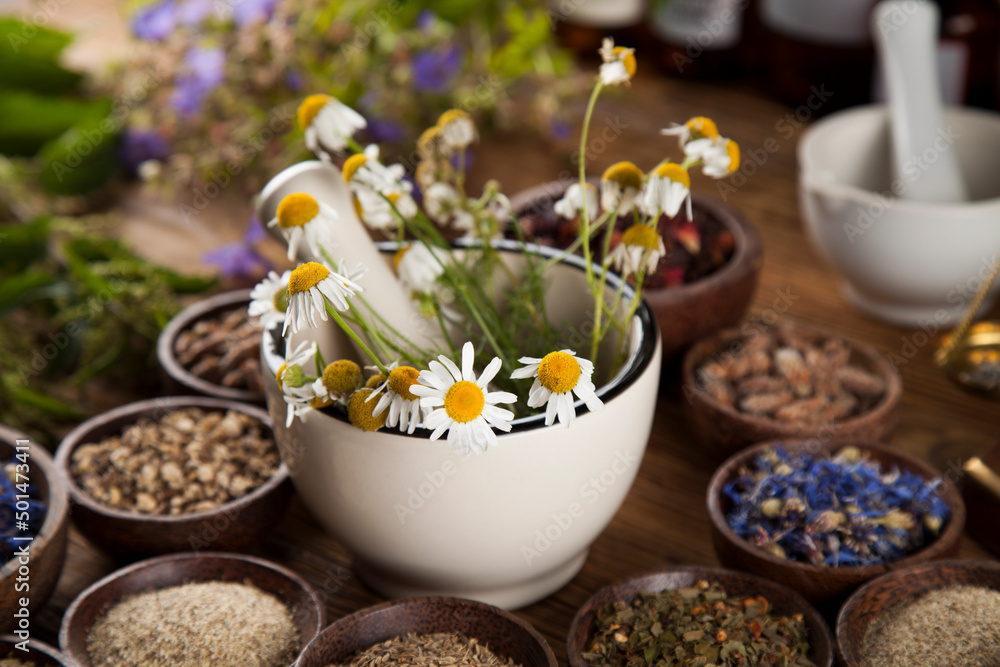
(28,120)
(22,244)
(80,269)
(29,58)
(184,284)
(17,287)
(84,158)
(22,394)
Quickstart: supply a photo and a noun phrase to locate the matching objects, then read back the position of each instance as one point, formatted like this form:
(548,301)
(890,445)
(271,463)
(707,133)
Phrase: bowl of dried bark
(212,348)
(174,474)
(757,383)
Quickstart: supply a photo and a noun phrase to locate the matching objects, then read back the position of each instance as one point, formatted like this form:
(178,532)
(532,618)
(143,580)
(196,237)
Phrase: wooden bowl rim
(184,320)
(56,494)
(130,413)
(41,647)
(703,348)
(401,604)
(69,627)
(951,534)
(852,608)
(749,247)
(584,615)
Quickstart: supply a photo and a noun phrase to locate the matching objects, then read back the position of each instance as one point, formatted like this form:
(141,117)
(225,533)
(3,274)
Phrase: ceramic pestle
(905,34)
(382,290)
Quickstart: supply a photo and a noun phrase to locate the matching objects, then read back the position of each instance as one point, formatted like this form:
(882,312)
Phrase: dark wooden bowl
(689,312)
(234,526)
(724,430)
(783,602)
(48,549)
(825,587)
(505,634)
(177,378)
(176,569)
(38,652)
(899,587)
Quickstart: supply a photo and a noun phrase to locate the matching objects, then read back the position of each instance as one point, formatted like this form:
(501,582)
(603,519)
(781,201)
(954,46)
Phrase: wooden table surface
(663,521)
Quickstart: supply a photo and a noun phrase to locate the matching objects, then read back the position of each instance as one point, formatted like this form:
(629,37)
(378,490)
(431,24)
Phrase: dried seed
(860,383)
(764,404)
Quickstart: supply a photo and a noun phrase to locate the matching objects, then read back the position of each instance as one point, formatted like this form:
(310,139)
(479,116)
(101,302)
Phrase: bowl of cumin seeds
(429,631)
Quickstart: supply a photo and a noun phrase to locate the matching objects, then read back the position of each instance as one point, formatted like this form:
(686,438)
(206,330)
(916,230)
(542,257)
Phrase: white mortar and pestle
(904,199)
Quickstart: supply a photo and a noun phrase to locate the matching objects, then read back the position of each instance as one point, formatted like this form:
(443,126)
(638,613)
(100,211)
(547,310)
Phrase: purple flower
(246,12)
(193,12)
(239,259)
(294,80)
(426,19)
(206,70)
(559,129)
(141,145)
(435,71)
(381,130)
(154,22)
(255,232)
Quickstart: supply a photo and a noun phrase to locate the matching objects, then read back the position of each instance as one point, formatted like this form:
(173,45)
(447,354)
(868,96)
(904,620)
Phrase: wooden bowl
(689,312)
(234,526)
(38,652)
(178,379)
(783,602)
(724,430)
(899,587)
(824,586)
(48,549)
(176,569)
(505,634)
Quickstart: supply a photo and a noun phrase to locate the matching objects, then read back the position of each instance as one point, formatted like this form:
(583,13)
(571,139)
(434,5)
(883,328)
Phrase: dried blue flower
(840,511)
(14,521)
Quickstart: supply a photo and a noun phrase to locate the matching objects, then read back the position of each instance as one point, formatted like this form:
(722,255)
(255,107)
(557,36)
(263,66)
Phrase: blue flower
(193,12)
(206,70)
(426,20)
(246,12)
(383,130)
(240,259)
(141,145)
(154,22)
(434,71)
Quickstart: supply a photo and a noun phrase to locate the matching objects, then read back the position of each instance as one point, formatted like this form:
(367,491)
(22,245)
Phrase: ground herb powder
(958,626)
(429,650)
(221,624)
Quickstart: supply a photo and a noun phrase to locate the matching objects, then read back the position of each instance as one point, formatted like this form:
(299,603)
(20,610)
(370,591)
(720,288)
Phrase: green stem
(596,337)
(335,314)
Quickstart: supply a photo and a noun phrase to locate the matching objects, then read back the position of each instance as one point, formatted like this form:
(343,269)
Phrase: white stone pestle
(382,290)
(922,156)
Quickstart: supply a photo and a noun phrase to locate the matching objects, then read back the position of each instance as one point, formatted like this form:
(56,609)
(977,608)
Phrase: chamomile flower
(295,383)
(695,128)
(301,218)
(641,247)
(380,193)
(419,267)
(721,159)
(573,201)
(441,202)
(558,376)
(461,404)
(338,381)
(310,287)
(328,123)
(619,63)
(403,404)
(457,131)
(269,299)
(667,189)
(362,413)
(620,187)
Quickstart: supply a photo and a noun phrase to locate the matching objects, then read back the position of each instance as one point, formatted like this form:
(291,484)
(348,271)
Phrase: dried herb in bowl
(696,626)
(223,349)
(843,510)
(428,650)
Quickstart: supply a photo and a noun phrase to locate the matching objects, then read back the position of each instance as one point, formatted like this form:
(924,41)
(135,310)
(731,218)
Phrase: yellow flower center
(280,300)
(320,402)
(401,379)
(398,257)
(305,277)
(642,236)
(427,142)
(450,116)
(559,371)
(674,172)
(624,174)
(628,59)
(359,412)
(357,207)
(374,381)
(352,164)
(702,127)
(341,377)
(296,210)
(733,149)
(464,401)
(310,107)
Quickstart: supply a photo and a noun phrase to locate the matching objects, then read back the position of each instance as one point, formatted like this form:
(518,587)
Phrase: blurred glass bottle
(818,52)
(701,39)
(582,24)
